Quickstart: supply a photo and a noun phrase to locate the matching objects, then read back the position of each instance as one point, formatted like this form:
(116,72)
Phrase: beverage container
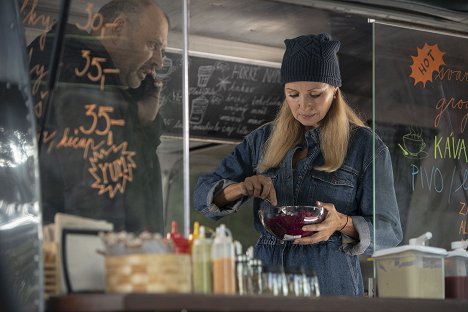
(411,271)
(456,271)
(222,255)
(201,263)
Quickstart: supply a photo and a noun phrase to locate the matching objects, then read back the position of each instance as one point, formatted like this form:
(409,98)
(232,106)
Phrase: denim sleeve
(388,232)
(232,169)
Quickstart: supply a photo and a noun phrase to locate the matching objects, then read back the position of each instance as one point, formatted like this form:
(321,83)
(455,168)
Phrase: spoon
(268,201)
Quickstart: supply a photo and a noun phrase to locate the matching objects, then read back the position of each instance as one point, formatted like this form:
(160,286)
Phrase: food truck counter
(194,302)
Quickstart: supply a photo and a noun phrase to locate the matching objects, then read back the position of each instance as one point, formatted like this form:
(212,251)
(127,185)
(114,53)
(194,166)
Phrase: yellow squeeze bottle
(201,263)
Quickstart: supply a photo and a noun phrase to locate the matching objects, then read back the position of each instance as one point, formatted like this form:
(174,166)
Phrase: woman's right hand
(259,186)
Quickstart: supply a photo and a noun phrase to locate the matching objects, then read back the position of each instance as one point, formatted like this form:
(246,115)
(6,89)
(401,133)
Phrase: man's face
(142,51)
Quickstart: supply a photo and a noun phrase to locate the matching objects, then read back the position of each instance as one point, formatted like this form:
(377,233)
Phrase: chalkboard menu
(421,113)
(228,99)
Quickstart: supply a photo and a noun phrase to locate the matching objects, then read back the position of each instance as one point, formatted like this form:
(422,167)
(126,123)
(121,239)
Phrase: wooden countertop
(196,302)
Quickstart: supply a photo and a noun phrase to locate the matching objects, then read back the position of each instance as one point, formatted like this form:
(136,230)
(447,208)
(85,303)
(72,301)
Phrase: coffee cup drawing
(413,143)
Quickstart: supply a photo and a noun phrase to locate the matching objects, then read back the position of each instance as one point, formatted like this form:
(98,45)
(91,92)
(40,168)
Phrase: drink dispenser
(411,271)
(456,271)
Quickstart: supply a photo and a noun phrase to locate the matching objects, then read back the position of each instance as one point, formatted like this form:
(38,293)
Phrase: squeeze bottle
(222,255)
(181,244)
(201,263)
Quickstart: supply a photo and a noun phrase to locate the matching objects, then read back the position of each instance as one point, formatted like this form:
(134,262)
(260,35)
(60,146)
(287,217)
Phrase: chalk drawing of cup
(413,143)
(204,75)
(198,110)
(166,69)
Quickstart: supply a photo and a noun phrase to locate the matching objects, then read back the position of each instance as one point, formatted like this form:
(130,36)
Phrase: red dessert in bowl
(286,222)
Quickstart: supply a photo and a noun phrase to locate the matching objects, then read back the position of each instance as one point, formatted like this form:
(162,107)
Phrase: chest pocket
(338,188)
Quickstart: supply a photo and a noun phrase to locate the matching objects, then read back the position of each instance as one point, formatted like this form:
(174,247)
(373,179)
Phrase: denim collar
(312,137)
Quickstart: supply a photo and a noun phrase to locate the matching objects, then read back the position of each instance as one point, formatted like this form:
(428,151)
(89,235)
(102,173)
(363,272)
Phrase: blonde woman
(316,152)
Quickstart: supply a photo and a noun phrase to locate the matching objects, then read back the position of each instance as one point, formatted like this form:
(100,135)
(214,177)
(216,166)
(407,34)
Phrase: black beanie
(311,58)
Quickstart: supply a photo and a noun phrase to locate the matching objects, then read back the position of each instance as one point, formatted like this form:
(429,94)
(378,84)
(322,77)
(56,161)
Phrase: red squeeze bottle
(181,243)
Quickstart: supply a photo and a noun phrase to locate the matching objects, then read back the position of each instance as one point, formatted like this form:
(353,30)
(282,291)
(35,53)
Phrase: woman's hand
(259,186)
(334,221)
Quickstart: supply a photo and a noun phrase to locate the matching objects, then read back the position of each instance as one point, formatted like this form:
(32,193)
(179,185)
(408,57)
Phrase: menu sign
(227,99)
(421,113)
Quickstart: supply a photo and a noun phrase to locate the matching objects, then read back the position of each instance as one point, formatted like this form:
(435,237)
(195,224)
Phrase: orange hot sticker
(428,61)
(112,169)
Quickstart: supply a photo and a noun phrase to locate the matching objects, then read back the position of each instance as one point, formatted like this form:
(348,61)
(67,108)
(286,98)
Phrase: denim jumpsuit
(350,189)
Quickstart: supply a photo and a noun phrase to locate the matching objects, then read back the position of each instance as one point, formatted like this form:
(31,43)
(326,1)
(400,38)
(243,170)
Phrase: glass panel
(103,143)
(20,217)
(421,114)
(102,128)
(250,35)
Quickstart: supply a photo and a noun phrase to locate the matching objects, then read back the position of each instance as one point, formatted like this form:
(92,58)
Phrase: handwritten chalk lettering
(99,72)
(76,141)
(32,19)
(244,72)
(267,100)
(94,20)
(228,129)
(38,73)
(259,111)
(240,109)
(48,139)
(452,183)
(103,114)
(239,99)
(38,106)
(449,74)
(433,180)
(257,122)
(424,65)
(243,130)
(231,118)
(463,209)
(463,229)
(218,127)
(272,75)
(442,105)
(450,148)
(201,91)
(464,183)
(243,87)
(112,169)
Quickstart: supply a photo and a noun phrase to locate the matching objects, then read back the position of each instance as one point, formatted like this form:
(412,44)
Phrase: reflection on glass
(102,125)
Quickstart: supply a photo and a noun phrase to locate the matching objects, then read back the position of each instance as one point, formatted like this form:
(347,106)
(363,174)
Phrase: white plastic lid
(459,249)
(458,253)
(417,248)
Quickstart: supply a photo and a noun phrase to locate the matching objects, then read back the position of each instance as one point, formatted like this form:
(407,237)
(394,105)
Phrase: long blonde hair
(334,135)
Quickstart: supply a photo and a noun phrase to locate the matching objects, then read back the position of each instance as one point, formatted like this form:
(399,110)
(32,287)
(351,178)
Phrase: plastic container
(201,263)
(411,271)
(456,271)
(222,255)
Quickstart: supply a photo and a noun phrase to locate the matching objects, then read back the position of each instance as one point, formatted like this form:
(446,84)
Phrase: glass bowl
(286,222)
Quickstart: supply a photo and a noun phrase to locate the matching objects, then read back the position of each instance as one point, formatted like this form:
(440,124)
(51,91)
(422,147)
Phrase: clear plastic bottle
(222,255)
(201,263)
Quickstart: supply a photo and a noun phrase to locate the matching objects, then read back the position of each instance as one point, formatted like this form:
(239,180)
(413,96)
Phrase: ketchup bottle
(181,244)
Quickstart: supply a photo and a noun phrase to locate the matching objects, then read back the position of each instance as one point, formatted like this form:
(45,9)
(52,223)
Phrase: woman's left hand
(334,221)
